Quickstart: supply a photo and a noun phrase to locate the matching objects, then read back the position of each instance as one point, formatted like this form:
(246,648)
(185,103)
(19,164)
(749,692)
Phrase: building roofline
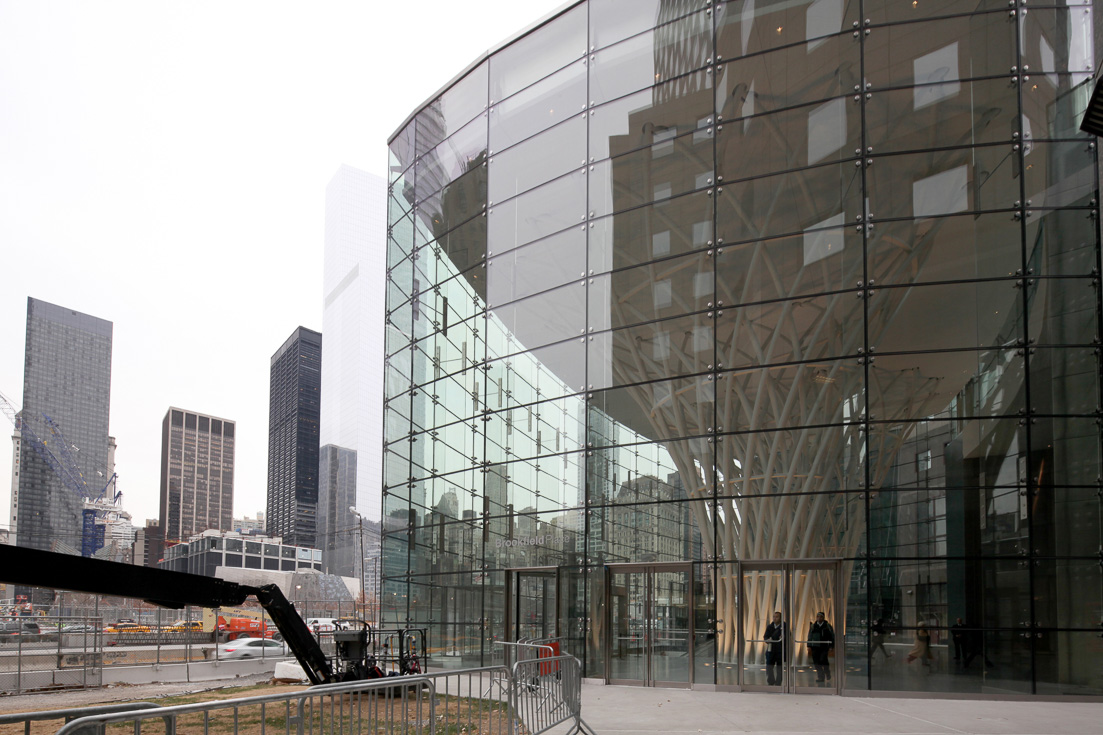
(483,57)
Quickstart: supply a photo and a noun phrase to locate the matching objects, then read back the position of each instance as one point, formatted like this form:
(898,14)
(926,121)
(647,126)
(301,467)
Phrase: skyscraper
(66,377)
(352,365)
(197,474)
(293,409)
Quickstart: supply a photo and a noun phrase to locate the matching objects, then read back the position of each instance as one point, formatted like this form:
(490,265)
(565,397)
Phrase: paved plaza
(619,710)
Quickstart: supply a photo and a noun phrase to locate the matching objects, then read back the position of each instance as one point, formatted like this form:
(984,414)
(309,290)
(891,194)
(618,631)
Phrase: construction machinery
(358,651)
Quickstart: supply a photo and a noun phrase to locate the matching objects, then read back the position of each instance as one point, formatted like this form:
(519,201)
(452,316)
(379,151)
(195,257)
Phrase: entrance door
(781,647)
(651,625)
(533,611)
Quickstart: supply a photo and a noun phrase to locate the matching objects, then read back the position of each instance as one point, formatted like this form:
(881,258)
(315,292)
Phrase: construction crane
(68,471)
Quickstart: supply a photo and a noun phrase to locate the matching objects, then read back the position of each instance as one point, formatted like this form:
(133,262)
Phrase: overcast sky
(163,166)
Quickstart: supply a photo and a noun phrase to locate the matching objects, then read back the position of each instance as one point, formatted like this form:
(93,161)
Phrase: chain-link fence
(67,651)
(43,652)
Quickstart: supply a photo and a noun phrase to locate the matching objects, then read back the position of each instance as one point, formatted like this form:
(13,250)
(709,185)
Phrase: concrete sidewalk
(617,710)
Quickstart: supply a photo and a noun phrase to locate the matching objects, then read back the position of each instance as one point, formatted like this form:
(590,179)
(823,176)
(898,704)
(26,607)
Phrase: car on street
(252,648)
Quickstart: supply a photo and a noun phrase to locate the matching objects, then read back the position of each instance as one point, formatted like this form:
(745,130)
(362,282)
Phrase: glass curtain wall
(727,282)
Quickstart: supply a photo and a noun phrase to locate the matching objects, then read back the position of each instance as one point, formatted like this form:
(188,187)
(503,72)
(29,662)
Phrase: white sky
(163,166)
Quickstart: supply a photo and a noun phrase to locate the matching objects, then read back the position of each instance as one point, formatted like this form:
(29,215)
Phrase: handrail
(172,712)
(70,713)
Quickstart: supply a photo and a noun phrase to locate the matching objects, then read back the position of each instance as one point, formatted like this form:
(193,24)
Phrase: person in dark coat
(777,644)
(821,639)
(878,635)
(958,635)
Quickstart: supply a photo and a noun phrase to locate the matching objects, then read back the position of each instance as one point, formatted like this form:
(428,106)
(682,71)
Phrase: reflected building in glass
(701,312)
(350,427)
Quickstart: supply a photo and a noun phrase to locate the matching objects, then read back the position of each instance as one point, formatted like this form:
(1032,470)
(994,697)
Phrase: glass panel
(824,197)
(658,290)
(940,53)
(652,57)
(653,351)
(652,115)
(1066,663)
(668,169)
(1054,104)
(1060,175)
(771,398)
(670,625)
(1064,381)
(823,132)
(814,328)
(787,77)
(460,104)
(1061,242)
(817,640)
(627,644)
(459,201)
(401,150)
(536,605)
(748,27)
(538,54)
(826,258)
(651,233)
(537,213)
(1059,40)
(1063,311)
(1068,451)
(835,519)
(983,111)
(914,386)
(664,410)
(541,158)
(545,318)
(610,23)
(551,262)
(942,182)
(460,154)
(945,249)
(539,107)
(465,248)
(704,627)
(943,317)
(767,639)
(890,11)
(1069,522)
(1067,593)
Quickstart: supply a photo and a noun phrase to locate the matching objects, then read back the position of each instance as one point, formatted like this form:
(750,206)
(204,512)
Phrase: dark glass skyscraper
(293,406)
(66,377)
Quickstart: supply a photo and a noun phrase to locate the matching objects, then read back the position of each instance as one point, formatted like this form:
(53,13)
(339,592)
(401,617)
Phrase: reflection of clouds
(931,74)
(943,193)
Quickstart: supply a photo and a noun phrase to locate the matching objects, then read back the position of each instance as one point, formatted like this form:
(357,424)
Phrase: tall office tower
(293,409)
(66,377)
(352,364)
(197,474)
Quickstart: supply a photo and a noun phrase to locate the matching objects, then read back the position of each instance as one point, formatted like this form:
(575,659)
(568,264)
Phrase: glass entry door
(534,594)
(651,626)
(784,643)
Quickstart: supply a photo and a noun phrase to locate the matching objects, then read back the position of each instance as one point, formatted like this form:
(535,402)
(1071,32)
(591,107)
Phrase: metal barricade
(547,691)
(68,715)
(390,705)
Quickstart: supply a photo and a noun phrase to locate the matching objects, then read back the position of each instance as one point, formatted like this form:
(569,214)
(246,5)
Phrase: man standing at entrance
(821,638)
(777,641)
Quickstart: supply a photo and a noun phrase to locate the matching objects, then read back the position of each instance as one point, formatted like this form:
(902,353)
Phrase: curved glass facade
(699,311)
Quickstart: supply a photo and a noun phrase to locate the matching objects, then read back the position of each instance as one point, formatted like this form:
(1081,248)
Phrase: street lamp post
(360,518)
